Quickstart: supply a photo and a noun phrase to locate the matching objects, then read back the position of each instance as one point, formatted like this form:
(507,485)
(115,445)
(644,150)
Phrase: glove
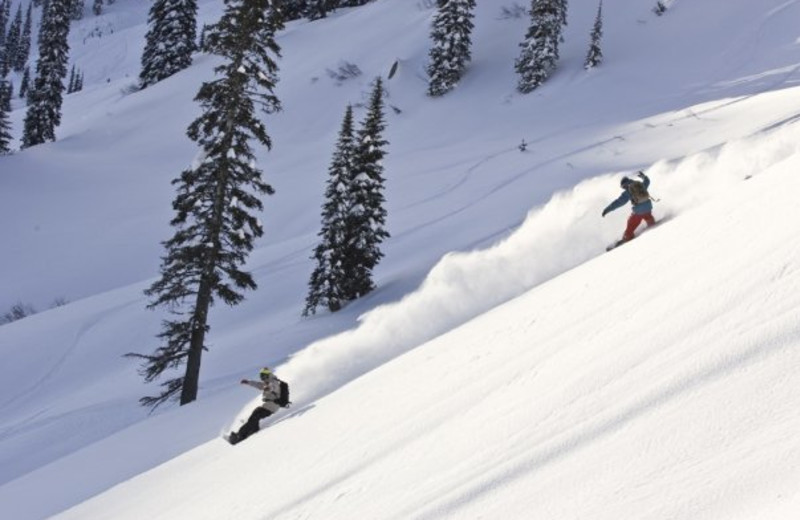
(640,174)
(243,382)
(605,212)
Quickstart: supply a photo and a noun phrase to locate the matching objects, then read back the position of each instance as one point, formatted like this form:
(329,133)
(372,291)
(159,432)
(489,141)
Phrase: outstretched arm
(621,201)
(255,384)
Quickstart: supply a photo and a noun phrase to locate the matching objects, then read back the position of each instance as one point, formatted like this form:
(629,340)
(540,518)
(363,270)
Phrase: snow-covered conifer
(450,53)
(46,97)
(24,85)
(317,9)
(353,3)
(215,219)
(5,16)
(24,46)
(539,55)
(368,214)
(76,10)
(5,123)
(293,9)
(71,82)
(595,55)
(329,280)
(13,39)
(97,7)
(170,40)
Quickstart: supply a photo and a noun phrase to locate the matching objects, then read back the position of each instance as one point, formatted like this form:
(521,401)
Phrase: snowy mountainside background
(677,395)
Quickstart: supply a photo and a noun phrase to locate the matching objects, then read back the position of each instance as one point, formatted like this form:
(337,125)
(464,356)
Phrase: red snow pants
(633,222)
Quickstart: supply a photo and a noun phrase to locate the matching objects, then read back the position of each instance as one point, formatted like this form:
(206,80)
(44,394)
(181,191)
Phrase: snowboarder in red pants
(635,192)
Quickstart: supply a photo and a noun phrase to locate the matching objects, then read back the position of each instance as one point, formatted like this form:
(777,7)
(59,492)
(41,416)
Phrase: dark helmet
(624,182)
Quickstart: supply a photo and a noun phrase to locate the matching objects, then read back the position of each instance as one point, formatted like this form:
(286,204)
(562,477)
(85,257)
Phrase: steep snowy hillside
(703,98)
(658,381)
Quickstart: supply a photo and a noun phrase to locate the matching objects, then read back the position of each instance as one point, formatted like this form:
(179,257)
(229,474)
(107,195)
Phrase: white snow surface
(506,366)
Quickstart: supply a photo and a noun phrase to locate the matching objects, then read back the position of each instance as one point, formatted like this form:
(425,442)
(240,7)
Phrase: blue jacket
(639,209)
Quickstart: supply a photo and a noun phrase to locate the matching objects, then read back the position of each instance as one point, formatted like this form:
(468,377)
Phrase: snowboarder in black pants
(270,387)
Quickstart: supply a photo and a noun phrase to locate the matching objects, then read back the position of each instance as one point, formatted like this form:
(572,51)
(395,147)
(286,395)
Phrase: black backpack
(638,192)
(283,398)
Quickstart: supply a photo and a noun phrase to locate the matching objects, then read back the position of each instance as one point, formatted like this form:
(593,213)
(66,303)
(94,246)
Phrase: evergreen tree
(170,39)
(5,96)
(539,55)
(201,41)
(76,10)
(25,84)
(79,82)
(293,9)
(450,53)
(329,279)
(5,16)
(4,66)
(13,39)
(5,123)
(24,47)
(595,55)
(368,215)
(353,3)
(214,221)
(46,96)
(317,9)
(97,7)
(71,82)
(562,6)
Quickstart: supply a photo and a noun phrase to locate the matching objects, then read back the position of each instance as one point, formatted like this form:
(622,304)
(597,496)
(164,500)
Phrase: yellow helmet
(264,372)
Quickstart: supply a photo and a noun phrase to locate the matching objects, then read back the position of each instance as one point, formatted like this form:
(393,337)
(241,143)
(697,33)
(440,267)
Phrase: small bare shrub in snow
(59,302)
(344,72)
(513,12)
(17,312)
(131,88)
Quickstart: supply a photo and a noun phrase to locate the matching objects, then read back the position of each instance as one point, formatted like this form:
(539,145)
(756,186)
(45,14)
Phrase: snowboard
(618,243)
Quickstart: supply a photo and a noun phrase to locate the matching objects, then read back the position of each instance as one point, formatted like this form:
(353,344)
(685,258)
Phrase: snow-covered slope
(658,381)
(682,339)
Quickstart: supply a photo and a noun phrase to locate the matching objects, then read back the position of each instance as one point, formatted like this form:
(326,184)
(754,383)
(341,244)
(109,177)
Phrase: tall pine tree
(24,47)
(5,123)
(76,11)
(539,55)
(46,97)
(217,197)
(292,9)
(367,215)
(329,278)
(595,55)
(25,84)
(450,53)
(317,9)
(170,39)
(5,16)
(13,40)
